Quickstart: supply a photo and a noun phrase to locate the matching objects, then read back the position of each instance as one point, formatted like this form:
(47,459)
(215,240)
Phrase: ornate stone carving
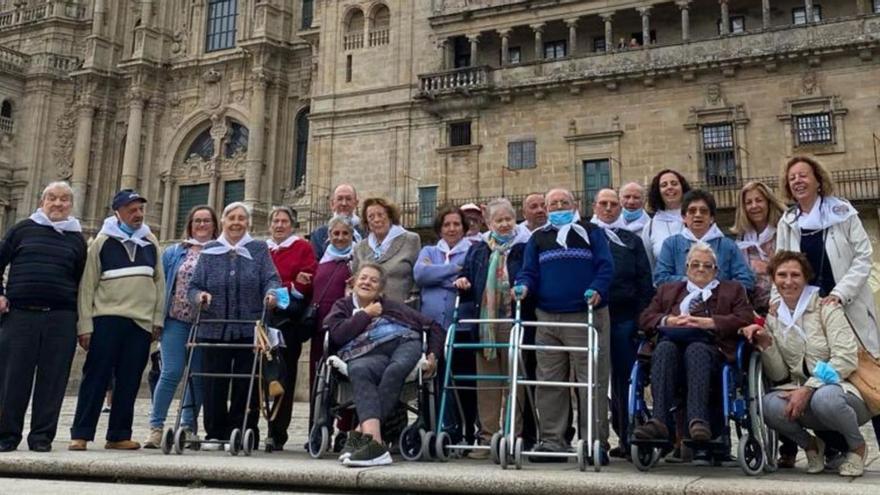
(65,136)
(810,84)
(714,97)
(213,90)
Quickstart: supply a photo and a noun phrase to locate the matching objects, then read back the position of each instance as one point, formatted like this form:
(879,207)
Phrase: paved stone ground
(293,469)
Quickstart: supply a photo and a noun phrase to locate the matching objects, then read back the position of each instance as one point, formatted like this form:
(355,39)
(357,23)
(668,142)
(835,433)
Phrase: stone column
(254,172)
(505,46)
(685,6)
(645,12)
(808,11)
(167,224)
(765,14)
(474,40)
(444,49)
(539,40)
(147,13)
(725,18)
(81,155)
(609,32)
(572,35)
(131,158)
(98,17)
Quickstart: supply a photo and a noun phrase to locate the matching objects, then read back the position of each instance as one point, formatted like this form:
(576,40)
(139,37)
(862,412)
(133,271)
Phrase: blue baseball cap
(125,197)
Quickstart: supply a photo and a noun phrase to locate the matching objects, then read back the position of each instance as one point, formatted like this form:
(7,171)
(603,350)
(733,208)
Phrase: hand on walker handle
(204,299)
(592,297)
(462,283)
(520,292)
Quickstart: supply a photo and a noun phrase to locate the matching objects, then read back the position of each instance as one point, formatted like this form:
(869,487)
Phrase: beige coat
(849,252)
(398,262)
(829,338)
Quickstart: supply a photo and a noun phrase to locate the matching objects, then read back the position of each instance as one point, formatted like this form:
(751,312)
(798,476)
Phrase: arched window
(236,139)
(354,30)
(6,116)
(222,17)
(302,148)
(380,26)
(202,145)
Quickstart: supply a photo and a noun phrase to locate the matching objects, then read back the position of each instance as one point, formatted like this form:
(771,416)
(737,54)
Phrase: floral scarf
(496,297)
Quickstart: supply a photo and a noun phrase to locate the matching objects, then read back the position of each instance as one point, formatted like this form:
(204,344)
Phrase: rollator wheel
(581,450)
(249,443)
(428,452)
(319,441)
(517,453)
(234,442)
(751,455)
(410,442)
(441,444)
(493,447)
(179,440)
(503,452)
(167,441)
(597,456)
(643,457)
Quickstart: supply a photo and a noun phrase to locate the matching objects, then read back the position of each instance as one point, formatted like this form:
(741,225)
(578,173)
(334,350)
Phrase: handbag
(308,319)
(866,378)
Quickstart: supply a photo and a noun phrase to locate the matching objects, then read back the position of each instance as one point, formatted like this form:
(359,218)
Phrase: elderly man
(45,255)
(632,197)
(121,303)
(631,291)
(343,203)
(534,210)
(562,261)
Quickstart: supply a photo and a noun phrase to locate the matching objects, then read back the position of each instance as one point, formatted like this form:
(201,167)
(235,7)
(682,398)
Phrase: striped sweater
(122,282)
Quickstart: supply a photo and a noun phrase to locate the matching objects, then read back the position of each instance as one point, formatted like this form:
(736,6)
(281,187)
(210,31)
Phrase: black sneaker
(41,447)
(543,447)
(353,442)
(372,453)
(8,446)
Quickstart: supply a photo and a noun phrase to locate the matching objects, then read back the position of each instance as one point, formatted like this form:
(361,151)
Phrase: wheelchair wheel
(758,429)
(179,440)
(517,453)
(493,447)
(441,445)
(319,441)
(167,441)
(248,444)
(644,457)
(503,452)
(597,456)
(582,455)
(234,442)
(750,455)
(428,452)
(410,441)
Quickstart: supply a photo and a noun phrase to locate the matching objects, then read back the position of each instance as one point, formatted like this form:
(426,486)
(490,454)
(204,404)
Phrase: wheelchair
(332,394)
(742,388)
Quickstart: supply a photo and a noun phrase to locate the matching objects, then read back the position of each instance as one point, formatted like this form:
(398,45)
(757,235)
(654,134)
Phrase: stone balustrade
(47,10)
(379,37)
(457,80)
(12,61)
(353,41)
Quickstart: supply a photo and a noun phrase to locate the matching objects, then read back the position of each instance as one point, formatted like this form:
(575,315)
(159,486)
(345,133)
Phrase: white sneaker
(382,460)
(854,465)
(816,460)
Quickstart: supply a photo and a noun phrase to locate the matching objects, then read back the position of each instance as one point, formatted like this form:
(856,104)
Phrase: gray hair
(701,247)
(58,184)
(639,186)
(340,220)
(499,204)
(235,205)
(282,209)
(560,189)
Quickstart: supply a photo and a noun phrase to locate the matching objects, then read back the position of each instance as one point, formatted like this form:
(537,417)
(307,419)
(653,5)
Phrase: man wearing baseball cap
(473,215)
(121,299)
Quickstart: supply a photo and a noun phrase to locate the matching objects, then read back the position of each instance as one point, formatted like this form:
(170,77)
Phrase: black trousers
(694,367)
(119,349)
(36,349)
(290,354)
(226,398)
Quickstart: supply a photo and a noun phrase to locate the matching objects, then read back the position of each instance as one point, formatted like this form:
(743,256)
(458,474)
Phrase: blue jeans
(624,347)
(173,349)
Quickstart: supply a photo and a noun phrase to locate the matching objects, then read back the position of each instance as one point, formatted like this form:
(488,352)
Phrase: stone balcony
(449,7)
(12,61)
(54,9)
(461,81)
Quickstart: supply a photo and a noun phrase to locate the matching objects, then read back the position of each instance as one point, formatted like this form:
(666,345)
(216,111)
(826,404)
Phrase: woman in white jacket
(664,200)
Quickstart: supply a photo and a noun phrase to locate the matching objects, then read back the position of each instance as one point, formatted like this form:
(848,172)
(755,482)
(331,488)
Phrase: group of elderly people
(653,261)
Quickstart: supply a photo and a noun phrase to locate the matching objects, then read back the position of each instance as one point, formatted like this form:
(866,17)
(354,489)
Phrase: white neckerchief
(329,255)
(460,247)
(609,228)
(226,247)
(753,239)
(562,232)
(195,242)
(380,248)
(827,212)
(69,224)
(713,233)
(111,229)
(694,291)
(637,224)
(787,320)
(286,243)
(668,216)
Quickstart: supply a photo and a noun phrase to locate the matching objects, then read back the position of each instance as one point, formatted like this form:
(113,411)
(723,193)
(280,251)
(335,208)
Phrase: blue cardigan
(434,276)
(172,258)
(671,267)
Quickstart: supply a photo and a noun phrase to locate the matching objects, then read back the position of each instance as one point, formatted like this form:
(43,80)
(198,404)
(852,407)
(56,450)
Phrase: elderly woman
(179,263)
(698,210)
(490,268)
(233,280)
(389,245)
(698,321)
(758,211)
(295,261)
(810,350)
(664,201)
(380,339)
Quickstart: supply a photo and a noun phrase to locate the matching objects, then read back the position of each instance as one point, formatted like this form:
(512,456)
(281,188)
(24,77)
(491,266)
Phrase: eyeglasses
(705,266)
(561,204)
(695,210)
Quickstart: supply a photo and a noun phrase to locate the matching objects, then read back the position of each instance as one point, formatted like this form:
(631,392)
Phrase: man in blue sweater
(562,261)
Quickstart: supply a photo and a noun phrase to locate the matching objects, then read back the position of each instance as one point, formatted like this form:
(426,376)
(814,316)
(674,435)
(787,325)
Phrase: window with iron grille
(222,15)
(799,15)
(187,198)
(554,49)
(460,133)
(719,154)
(814,128)
(521,154)
(599,44)
(427,204)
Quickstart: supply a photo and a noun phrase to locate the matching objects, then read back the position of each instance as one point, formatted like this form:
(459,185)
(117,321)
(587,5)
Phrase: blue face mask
(336,252)
(631,215)
(561,217)
(501,239)
(125,228)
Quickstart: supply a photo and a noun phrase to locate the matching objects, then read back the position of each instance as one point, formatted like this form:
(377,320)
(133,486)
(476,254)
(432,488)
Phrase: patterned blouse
(758,264)
(181,308)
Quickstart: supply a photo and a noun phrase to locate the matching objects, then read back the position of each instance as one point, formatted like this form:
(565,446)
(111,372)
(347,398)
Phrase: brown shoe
(122,445)
(77,445)
(653,429)
(700,431)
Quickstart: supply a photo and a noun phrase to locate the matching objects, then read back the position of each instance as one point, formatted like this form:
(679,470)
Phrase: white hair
(560,189)
(701,247)
(640,187)
(236,205)
(340,220)
(58,184)
(499,204)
